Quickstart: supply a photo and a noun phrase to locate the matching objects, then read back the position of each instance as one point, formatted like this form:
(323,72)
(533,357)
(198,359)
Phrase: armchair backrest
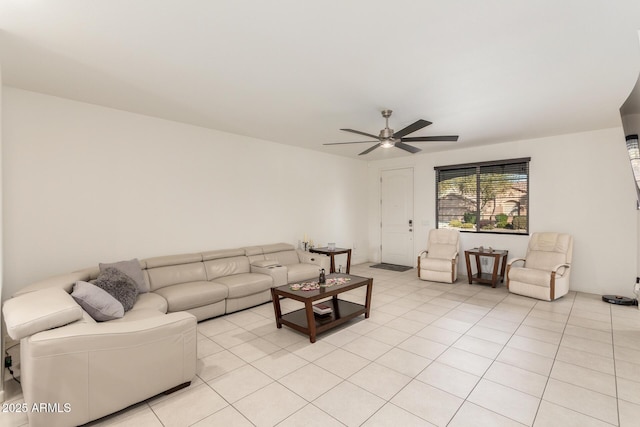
(547,250)
(443,243)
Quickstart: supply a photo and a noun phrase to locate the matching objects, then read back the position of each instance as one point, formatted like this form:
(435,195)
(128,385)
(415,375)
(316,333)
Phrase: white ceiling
(295,71)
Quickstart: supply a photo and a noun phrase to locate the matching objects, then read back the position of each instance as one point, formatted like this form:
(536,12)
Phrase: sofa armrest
(277,272)
(509,265)
(560,269)
(88,337)
(101,368)
(38,311)
(321,260)
(514,260)
(262,263)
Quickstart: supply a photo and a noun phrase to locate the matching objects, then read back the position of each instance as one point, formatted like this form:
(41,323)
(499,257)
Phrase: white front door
(396,204)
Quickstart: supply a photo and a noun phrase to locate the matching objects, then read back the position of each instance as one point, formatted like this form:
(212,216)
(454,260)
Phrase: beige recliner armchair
(546,269)
(439,263)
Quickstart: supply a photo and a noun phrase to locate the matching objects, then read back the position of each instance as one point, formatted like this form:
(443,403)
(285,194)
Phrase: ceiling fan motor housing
(386,133)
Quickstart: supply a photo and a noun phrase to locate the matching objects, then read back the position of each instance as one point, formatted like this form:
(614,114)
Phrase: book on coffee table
(322,309)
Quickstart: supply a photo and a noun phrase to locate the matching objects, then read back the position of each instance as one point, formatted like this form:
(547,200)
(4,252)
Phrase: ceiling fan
(388,138)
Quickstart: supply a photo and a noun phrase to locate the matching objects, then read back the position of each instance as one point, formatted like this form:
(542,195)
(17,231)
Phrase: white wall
(1,244)
(85,184)
(579,183)
(631,125)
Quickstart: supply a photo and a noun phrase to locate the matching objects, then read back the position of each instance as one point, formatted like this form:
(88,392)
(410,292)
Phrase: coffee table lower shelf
(343,311)
(486,278)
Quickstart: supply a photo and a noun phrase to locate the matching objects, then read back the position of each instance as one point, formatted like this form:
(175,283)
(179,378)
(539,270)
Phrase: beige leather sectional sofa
(90,369)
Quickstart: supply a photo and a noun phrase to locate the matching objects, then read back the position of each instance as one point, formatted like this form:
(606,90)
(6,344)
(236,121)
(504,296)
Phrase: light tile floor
(431,354)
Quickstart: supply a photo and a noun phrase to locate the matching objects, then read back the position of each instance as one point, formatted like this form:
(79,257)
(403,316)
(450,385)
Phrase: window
(487,197)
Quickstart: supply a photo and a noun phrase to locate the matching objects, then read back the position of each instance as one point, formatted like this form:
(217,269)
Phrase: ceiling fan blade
(406,147)
(368,150)
(362,133)
(353,142)
(417,125)
(431,138)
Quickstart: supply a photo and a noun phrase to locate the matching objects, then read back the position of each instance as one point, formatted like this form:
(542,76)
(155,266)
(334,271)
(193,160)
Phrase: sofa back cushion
(254,253)
(284,253)
(222,253)
(284,257)
(171,270)
(226,266)
(547,250)
(62,281)
(277,247)
(443,243)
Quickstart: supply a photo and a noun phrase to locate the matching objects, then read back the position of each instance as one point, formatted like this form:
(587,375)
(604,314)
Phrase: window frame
(478,166)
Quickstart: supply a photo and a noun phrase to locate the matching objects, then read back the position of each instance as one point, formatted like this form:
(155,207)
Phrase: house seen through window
(488,197)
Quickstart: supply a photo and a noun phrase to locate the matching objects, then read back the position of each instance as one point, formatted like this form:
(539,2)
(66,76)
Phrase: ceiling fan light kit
(387,138)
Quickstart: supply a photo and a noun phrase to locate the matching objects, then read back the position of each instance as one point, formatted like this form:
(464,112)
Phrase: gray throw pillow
(97,302)
(132,269)
(118,285)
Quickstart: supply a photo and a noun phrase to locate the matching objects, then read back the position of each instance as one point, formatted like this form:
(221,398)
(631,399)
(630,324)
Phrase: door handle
(410,223)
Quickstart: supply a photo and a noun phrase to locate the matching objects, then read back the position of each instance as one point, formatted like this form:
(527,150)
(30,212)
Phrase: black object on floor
(392,267)
(616,299)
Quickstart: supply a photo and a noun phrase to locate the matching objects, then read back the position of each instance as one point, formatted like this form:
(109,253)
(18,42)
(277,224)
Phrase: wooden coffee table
(305,321)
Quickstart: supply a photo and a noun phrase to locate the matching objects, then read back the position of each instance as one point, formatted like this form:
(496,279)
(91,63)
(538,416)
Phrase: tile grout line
(615,371)
(578,386)
(489,367)
(389,401)
(546,383)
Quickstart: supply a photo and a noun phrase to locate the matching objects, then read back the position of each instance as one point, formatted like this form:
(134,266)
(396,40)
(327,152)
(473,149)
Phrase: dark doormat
(392,267)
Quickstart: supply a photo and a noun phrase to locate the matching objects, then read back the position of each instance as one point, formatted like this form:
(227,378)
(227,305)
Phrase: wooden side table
(499,260)
(333,252)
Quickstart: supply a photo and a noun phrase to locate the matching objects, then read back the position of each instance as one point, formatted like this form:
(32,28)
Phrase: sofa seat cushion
(531,276)
(241,285)
(150,301)
(168,275)
(192,294)
(223,267)
(299,272)
(435,264)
